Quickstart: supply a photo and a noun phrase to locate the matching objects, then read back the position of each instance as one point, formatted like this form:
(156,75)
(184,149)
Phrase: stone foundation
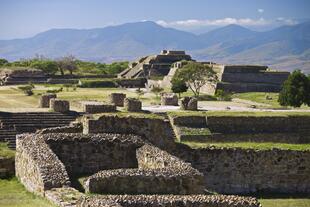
(169,99)
(44,101)
(189,103)
(117,99)
(132,105)
(97,107)
(7,167)
(61,106)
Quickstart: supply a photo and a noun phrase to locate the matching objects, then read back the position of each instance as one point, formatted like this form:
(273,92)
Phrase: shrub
(109,83)
(26,89)
(223,95)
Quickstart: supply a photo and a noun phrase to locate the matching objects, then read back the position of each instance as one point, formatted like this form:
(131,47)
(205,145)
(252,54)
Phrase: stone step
(36,121)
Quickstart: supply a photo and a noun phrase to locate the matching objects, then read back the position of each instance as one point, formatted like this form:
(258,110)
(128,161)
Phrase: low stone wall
(36,165)
(7,167)
(117,99)
(156,131)
(62,81)
(262,77)
(169,99)
(61,106)
(132,105)
(189,103)
(131,83)
(168,201)
(97,107)
(77,128)
(244,171)
(44,101)
(88,154)
(158,173)
(193,121)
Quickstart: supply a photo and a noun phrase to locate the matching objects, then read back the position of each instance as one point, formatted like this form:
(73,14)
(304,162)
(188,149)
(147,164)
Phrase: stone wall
(93,107)
(88,154)
(156,131)
(7,167)
(168,201)
(36,166)
(244,171)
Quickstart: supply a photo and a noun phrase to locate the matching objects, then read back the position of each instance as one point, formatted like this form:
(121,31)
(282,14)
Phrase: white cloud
(286,21)
(260,10)
(216,22)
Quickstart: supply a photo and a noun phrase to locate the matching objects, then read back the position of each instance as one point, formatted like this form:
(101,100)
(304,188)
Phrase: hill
(286,47)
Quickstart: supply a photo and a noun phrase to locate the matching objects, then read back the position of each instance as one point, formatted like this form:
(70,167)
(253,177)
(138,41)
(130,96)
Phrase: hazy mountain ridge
(286,47)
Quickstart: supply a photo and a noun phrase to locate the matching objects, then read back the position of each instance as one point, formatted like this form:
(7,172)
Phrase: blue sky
(25,18)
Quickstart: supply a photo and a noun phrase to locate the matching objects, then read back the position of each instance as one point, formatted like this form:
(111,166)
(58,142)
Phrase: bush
(223,95)
(26,89)
(109,83)
(295,90)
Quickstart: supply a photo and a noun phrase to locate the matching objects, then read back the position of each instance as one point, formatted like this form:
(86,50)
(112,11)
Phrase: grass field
(249,145)
(285,202)
(260,97)
(5,151)
(13,194)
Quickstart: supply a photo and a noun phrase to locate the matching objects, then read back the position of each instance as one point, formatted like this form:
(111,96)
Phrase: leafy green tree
(178,86)
(295,90)
(3,62)
(48,66)
(196,75)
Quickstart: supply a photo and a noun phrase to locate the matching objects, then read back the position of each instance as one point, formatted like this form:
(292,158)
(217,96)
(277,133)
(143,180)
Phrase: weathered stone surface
(61,106)
(44,101)
(117,99)
(169,201)
(169,99)
(93,107)
(133,105)
(189,103)
(158,173)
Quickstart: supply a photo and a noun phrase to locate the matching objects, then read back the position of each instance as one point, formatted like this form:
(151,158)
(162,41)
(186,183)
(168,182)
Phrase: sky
(25,18)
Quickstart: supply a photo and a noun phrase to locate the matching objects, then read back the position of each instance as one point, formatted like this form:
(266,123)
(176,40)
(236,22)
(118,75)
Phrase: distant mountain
(286,47)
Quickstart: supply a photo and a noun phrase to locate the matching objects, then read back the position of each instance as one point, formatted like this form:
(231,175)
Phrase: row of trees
(67,64)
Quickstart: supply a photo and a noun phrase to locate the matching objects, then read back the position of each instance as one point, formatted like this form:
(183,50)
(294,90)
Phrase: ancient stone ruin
(112,165)
(169,99)
(153,65)
(44,101)
(189,103)
(61,106)
(117,99)
(132,105)
(21,76)
(93,107)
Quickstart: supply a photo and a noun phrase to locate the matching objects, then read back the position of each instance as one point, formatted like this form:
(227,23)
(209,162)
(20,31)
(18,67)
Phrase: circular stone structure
(117,99)
(61,106)
(132,104)
(44,101)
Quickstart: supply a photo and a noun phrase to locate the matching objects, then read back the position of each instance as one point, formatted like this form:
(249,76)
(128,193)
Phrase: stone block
(189,103)
(61,106)
(44,101)
(169,99)
(97,107)
(132,104)
(117,99)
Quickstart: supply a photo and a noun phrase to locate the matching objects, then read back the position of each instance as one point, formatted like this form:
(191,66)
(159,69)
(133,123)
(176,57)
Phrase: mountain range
(283,48)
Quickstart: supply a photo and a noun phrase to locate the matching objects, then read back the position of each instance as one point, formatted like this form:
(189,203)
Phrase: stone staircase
(12,124)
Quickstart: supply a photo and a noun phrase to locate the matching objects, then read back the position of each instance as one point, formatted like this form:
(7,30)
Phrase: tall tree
(295,90)
(196,75)
(67,63)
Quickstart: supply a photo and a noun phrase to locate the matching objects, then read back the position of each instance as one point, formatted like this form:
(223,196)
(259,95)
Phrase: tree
(3,62)
(196,75)
(295,90)
(67,63)
(48,66)
(178,86)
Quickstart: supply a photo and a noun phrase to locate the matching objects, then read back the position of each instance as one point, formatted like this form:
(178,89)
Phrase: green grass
(286,202)
(249,145)
(13,194)
(5,151)
(132,114)
(260,97)
(194,131)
